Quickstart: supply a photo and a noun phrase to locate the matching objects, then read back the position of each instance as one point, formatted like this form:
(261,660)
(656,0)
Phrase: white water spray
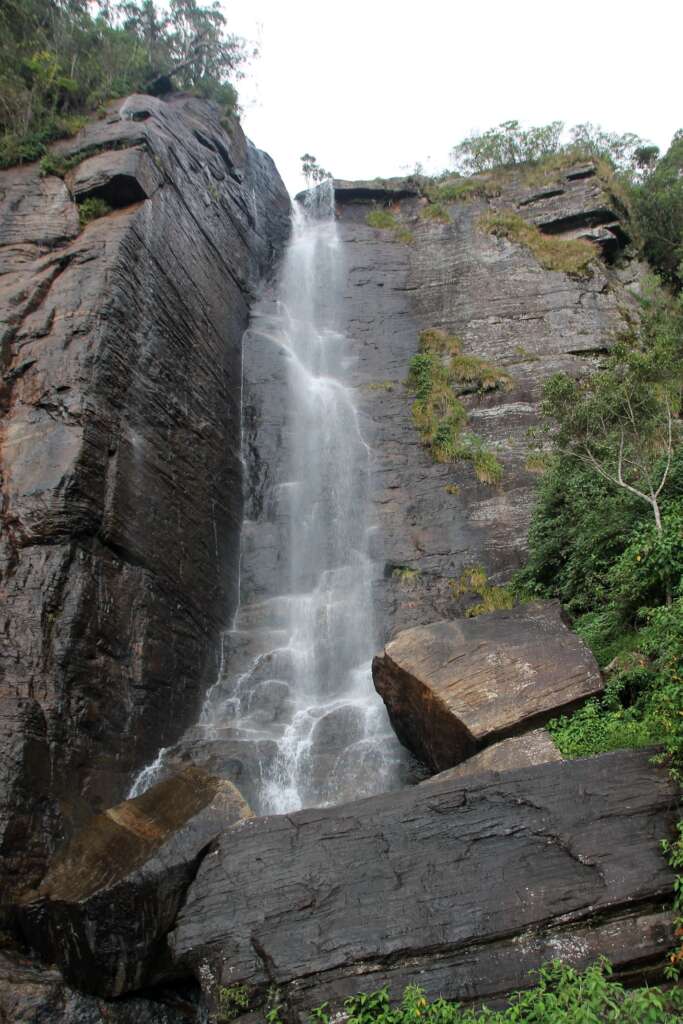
(297,689)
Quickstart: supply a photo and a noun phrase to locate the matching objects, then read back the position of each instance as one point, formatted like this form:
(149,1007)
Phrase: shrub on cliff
(658,212)
(562,995)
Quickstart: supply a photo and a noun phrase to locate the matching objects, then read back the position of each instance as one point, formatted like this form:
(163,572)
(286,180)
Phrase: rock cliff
(119,449)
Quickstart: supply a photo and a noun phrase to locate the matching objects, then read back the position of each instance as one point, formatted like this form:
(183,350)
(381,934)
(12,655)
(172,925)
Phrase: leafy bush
(92,209)
(572,256)
(562,995)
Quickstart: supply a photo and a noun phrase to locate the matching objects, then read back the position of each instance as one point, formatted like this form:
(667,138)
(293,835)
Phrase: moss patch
(475,581)
(571,256)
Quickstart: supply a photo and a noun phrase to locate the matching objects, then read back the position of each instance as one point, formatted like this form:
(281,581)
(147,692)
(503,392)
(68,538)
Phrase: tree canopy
(60,59)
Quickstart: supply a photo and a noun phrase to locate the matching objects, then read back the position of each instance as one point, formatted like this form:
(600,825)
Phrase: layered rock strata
(535,747)
(119,450)
(464,886)
(104,908)
(456,686)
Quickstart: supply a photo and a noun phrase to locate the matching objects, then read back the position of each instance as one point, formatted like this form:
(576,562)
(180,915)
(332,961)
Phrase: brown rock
(104,908)
(535,747)
(121,177)
(454,687)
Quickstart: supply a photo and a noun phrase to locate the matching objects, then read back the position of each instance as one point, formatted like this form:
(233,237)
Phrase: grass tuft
(474,580)
(384,220)
(571,256)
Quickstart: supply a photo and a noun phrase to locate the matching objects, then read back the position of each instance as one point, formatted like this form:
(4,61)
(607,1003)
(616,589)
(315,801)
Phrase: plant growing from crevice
(231,1002)
(385,220)
(92,209)
(405,574)
(438,413)
(571,256)
(474,581)
(435,212)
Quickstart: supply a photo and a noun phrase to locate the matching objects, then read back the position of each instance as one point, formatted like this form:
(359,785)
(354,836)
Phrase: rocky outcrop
(535,747)
(464,886)
(119,450)
(104,908)
(456,686)
(30,994)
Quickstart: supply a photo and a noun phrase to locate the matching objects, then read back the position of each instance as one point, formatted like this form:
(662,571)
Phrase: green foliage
(474,580)
(572,256)
(510,145)
(60,59)
(385,220)
(457,190)
(436,212)
(561,995)
(438,413)
(92,209)
(404,574)
(658,212)
(474,374)
(232,1001)
(312,171)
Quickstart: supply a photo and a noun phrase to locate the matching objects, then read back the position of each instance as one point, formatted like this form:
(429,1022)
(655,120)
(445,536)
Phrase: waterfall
(295,703)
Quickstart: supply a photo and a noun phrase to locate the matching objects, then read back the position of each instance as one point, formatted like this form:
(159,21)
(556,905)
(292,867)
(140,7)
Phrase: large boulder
(535,747)
(456,686)
(463,887)
(104,908)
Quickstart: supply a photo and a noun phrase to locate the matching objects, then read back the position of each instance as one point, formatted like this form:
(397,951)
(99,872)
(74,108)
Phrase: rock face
(119,451)
(454,687)
(464,887)
(37,995)
(535,747)
(105,906)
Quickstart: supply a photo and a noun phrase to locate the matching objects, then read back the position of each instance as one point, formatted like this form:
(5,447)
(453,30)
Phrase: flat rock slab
(454,687)
(460,887)
(104,908)
(535,747)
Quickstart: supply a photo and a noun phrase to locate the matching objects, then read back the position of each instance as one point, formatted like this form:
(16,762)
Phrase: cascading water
(298,693)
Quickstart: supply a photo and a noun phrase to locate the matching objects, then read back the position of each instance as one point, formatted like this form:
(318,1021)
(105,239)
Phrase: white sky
(372,87)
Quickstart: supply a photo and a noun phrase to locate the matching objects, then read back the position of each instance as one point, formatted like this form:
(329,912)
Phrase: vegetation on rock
(474,580)
(438,413)
(572,256)
(62,59)
(92,209)
(562,995)
(385,220)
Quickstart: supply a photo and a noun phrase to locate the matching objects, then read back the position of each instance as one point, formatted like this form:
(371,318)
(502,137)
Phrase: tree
(622,422)
(312,171)
(658,209)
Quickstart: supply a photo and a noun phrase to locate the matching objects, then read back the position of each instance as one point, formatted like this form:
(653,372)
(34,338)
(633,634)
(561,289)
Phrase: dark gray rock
(535,747)
(30,994)
(120,453)
(456,686)
(461,886)
(104,908)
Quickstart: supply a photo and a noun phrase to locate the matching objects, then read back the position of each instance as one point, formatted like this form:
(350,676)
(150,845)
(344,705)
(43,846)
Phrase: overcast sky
(372,87)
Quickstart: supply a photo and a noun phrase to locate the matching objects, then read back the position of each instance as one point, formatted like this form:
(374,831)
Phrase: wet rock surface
(323,903)
(535,747)
(120,451)
(456,686)
(104,908)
